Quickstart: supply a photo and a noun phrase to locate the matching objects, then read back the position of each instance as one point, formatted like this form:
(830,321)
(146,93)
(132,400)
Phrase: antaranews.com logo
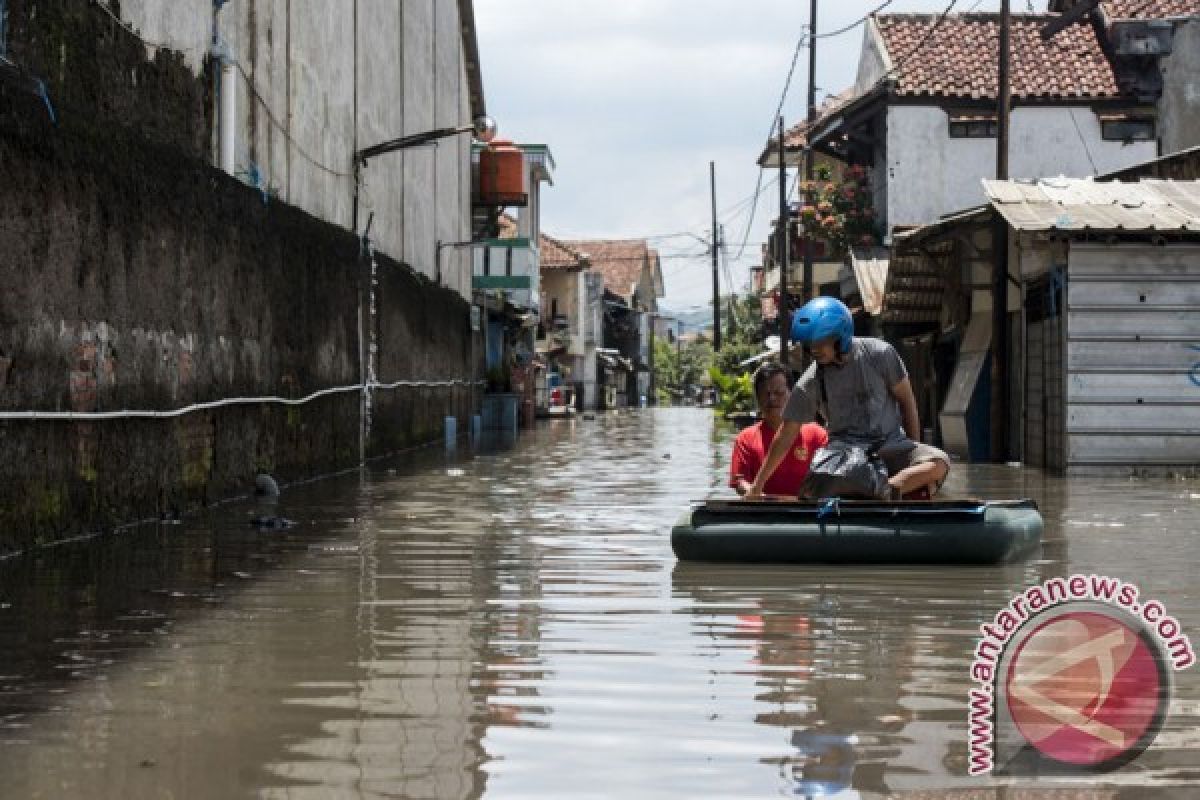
(1074,675)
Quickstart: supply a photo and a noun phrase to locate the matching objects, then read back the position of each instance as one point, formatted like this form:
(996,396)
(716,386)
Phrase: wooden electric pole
(712,179)
(782,237)
(1000,382)
(809,166)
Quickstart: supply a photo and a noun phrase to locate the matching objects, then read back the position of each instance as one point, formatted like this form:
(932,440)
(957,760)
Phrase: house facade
(922,114)
(506,288)
(1159,40)
(1103,367)
(631,272)
(573,319)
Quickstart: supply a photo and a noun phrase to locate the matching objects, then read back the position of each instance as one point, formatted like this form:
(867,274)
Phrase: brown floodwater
(512,623)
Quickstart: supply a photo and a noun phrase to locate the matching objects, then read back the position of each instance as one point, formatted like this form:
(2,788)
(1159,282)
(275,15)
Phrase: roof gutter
(466,18)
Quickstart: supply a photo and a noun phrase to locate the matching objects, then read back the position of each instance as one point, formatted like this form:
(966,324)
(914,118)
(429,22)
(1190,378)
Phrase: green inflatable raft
(858,532)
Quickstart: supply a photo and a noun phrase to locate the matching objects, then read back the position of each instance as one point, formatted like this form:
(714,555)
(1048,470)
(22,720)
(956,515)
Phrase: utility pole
(712,179)
(652,392)
(783,234)
(808,153)
(1000,382)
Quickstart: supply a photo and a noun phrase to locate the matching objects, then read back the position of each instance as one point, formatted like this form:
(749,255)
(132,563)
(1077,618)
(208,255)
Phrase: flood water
(513,624)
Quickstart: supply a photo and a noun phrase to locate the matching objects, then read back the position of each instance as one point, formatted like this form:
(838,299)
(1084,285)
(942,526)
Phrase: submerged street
(513,623)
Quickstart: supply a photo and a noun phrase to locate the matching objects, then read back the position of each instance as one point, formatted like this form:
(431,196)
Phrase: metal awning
(612,359)
(1070,204)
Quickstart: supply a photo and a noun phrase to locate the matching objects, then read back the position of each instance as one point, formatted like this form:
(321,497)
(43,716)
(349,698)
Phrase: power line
(283,129)
(1083,141)
(855,24)
(249,84)
(804,39)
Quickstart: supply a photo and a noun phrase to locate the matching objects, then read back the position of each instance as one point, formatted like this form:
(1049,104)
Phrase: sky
(635,97)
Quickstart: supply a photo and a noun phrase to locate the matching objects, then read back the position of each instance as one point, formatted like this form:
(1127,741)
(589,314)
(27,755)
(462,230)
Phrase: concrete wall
(930,174)
(871,58)
(144,278)
(1179,109)
(320,80)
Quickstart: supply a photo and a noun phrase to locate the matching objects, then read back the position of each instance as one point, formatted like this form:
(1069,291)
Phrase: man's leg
(921,467)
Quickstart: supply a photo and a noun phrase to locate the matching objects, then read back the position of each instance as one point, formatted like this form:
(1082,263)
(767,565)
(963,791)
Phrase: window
(972,126)
(4,29)
(1121,128)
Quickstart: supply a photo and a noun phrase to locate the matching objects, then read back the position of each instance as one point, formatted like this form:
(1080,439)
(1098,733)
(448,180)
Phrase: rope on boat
(830,507)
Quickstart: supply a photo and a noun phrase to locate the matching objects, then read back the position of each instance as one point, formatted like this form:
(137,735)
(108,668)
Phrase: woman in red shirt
(771,389)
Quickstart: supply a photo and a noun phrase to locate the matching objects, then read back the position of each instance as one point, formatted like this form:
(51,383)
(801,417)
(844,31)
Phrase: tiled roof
(793,137)
(620,261)
(1151,9)
(958,58)
(558,256)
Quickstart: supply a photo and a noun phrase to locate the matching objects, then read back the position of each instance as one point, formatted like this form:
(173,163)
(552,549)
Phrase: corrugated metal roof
(1075,204)
(1071,204)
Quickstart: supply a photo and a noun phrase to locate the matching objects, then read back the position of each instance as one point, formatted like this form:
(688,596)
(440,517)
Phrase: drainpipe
(226,95)
(4,29)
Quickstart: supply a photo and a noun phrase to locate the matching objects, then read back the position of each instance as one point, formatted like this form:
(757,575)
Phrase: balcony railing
(510,266)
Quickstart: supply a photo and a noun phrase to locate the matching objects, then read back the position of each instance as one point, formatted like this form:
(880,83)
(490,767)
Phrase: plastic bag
(846,470)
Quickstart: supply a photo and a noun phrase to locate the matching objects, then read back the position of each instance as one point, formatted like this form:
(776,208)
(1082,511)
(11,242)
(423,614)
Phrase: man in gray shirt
(862,388)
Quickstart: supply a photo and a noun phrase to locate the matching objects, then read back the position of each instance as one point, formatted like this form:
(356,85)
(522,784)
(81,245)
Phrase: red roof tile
(958,57)
(558,256)
(620,261)
(1151,9)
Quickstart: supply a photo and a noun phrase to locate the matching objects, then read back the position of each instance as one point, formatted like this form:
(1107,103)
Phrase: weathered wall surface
(318,81)
(938,175)
(1179,116)
(137,276)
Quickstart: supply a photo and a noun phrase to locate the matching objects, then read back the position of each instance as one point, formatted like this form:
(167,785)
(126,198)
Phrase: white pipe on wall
(84,416)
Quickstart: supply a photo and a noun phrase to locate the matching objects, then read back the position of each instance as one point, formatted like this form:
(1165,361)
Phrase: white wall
(871,66)
(324,79)
(1179,116)
(929,174)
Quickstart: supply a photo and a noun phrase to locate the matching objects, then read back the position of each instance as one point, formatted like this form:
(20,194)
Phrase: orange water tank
(502,175)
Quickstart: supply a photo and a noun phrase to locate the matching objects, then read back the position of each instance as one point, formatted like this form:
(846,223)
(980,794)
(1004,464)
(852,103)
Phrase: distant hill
(692,321)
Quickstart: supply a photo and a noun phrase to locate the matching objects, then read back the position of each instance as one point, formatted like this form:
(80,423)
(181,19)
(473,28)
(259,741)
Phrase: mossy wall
(135,275)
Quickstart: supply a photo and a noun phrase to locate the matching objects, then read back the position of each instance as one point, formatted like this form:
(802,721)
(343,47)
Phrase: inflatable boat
(858,532)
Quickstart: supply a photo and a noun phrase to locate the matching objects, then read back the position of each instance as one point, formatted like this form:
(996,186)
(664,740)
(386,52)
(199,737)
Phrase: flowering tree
(838,212)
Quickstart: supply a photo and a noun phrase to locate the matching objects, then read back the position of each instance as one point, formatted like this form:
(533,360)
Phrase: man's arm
(784,439)
(903,393)
(742,466)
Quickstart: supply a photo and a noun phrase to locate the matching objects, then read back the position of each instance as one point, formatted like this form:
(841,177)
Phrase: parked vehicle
(559,396)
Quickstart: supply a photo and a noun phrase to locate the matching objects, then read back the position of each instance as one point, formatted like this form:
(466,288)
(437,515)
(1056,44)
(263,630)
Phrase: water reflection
(511,623)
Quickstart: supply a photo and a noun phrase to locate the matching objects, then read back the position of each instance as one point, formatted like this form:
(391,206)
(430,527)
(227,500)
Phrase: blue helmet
(822,318)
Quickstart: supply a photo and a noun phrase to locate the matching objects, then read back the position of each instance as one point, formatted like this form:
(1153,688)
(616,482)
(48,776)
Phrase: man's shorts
(901,458)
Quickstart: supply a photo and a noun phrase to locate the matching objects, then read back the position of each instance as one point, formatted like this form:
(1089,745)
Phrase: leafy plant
(735,393)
